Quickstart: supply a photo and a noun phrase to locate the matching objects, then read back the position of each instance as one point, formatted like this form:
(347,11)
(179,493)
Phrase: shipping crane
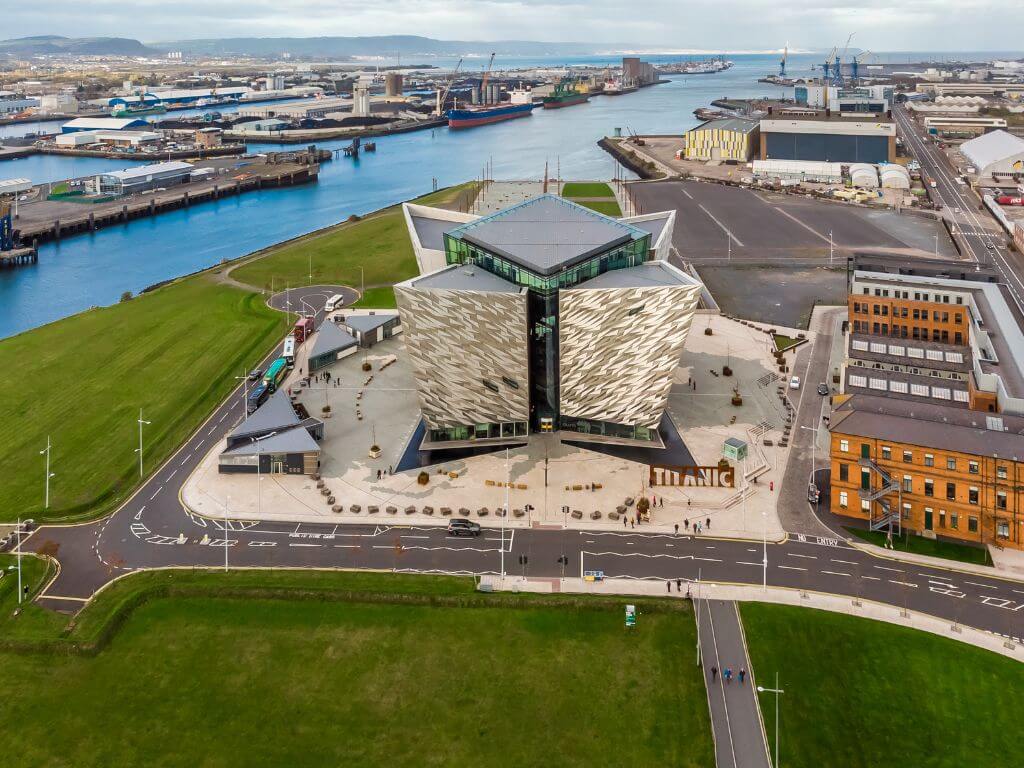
(442,97)
(782,64)
(855,64)
(826,67)
(6,226)
(837,70)
(484,79)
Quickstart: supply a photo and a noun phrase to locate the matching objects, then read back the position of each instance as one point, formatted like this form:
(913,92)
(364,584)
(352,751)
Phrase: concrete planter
(374,452)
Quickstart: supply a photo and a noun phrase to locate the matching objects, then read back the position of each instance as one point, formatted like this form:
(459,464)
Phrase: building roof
(330,338)
(102,124)
(290,441)
(736,124)
(275,414)
(930,426)
(650,274)
(547,233)
(142,171)
(365,323)
(431,231)
(842,126)
(465,278)
(992,147)
(655,224)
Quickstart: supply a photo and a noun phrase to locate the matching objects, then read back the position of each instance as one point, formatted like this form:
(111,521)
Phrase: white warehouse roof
(103,124)
(154,169)
(843,127)
(14,186)
(992,147)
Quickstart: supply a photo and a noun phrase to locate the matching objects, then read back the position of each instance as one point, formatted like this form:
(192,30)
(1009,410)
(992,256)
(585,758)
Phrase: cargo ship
(470,118)
(136,111)
(565,95)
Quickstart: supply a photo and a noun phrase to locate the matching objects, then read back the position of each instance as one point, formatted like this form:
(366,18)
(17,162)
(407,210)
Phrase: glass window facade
(480,432)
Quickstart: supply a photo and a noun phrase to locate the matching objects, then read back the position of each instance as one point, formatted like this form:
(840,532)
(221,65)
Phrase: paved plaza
(549,480)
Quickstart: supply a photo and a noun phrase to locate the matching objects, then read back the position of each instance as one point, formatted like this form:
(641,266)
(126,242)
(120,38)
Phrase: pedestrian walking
(727,675)
(631,523)
(623,521)
(391,470)
(714,673)
(677,529)
(662,501)
(378,474)
(743,674)
(679,585)
(708,522)
(686,524)
(668,585)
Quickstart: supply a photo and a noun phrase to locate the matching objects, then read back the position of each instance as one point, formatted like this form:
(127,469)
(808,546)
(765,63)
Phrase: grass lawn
(587,189)
(172,352)
(864,693)
(377,298)
(608,208)
(379,243)
(34,622)
(783,342)
(493,680)
(919,545)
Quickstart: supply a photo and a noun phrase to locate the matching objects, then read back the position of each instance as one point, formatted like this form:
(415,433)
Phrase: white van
(334,302)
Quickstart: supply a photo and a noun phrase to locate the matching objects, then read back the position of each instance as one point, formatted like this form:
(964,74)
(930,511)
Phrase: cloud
(702,24)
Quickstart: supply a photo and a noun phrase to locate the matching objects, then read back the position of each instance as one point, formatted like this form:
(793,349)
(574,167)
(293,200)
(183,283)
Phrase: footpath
(735,716)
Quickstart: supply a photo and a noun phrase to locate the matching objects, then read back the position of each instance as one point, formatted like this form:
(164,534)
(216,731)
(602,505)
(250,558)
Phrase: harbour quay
(85,205)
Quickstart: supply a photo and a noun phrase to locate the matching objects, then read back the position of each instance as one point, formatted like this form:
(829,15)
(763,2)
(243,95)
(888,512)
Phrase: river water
(94,269)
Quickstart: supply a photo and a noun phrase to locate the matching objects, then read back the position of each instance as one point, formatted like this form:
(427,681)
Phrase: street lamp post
(776,690)
(49,474)
(831,247)
(764,561)
(814,440)
(258,441)
(142,422)
(508,476)
(18,529)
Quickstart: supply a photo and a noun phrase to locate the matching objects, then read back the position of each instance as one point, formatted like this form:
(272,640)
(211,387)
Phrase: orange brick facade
(952,494)
(909,319)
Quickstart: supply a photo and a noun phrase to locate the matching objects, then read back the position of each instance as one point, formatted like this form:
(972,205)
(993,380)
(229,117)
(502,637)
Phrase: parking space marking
(720,224)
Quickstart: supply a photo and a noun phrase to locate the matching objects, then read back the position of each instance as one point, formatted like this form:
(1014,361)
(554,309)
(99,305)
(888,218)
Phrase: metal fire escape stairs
(889,518)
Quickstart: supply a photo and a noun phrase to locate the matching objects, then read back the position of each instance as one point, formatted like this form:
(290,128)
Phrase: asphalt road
(152,529)
(960,207)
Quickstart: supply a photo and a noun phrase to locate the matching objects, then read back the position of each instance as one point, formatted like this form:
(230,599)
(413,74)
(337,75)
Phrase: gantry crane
(442,97)
(855,63)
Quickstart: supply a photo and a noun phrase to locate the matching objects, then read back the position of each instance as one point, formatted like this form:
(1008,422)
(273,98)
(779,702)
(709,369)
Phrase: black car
(823,389)
(255,374)
(462,527)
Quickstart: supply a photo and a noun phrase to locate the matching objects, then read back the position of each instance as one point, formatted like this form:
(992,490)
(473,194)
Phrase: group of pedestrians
(727,674)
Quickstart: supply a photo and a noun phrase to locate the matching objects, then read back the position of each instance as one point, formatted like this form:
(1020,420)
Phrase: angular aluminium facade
(549,317)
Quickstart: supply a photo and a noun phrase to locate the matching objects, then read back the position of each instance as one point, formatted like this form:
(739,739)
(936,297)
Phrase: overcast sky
(732,25)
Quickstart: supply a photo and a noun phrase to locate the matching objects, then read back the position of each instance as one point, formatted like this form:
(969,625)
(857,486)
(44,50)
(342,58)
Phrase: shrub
(423,478)
(126,296)
(367,367)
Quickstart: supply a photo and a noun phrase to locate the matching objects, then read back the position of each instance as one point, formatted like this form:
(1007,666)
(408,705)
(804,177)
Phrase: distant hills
(43,45)
(383,45)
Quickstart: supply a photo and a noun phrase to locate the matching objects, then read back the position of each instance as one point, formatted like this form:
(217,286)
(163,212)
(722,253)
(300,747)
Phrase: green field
(421,672)
(919,545)
(379,243)
(607,207)
(586,189)
(377,298)
(173,352)
(864,693)
(783,342)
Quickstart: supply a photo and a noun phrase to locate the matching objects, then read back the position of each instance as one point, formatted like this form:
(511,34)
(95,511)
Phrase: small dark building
(369,329)
(274,440)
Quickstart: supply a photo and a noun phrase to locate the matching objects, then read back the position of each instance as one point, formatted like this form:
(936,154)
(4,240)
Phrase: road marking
(976,584)
(686,193)
(790,216)
(835,573)
(791,568)
(720,224)
(415,537)
(903,583)
(809,557)
(138,515)
(883,568)
(1017,591)
(757,565)
(262,543)
(844,562)
(346,546)
(171,475)
(62,597)
(184,460)
(872,578)
(156,492)
(293,544)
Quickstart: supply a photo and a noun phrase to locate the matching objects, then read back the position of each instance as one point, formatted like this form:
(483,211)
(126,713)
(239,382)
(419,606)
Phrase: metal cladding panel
(618,349)
(457,339)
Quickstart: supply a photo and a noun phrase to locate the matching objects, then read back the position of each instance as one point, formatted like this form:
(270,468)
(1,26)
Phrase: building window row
(936,298)
(901,387)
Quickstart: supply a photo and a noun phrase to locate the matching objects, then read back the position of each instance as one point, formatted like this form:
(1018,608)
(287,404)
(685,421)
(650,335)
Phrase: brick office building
(928,432)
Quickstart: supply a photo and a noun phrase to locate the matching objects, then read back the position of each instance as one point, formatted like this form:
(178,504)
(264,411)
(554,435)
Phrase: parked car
(823,389)
(794,383)
(460,526)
